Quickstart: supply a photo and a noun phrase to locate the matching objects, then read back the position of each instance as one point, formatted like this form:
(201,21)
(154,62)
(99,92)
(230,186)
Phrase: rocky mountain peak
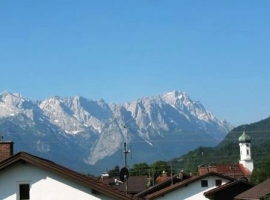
(9,98)
(98,129)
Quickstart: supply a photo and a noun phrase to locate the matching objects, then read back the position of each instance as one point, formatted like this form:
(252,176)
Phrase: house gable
(192,188)
(45,176)
(43,184)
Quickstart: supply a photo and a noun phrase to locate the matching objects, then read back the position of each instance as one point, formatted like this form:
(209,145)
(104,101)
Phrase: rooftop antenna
(126,150)
(124,173)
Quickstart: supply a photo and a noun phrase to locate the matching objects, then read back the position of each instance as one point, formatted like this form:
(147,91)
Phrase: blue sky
(218,52)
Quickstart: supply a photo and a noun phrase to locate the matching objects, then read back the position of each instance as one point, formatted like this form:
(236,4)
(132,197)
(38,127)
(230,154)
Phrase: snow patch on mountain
(100,129)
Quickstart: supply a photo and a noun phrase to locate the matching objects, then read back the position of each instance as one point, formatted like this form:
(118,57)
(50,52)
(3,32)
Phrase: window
(218,182)
(247,152)
(24,191)
(204,183)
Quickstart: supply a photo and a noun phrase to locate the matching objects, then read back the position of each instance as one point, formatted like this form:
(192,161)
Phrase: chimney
(105,178)
(163,177)
(6,150)
(203,169)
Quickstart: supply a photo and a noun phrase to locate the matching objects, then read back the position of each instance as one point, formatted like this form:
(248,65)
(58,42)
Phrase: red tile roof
(245,171)
(233,170)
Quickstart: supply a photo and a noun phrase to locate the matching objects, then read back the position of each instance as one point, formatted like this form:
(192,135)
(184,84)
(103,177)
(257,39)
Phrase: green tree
(267,197)
(114,172)
(262,173)
(159,166)
(139,169)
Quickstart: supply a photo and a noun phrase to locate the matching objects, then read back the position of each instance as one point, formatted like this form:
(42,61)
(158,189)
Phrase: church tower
(245,152)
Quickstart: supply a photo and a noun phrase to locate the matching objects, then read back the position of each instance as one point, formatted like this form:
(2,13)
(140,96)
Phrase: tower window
(247,152)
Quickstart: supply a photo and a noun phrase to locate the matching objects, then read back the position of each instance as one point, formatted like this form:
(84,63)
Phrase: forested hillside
(228,150)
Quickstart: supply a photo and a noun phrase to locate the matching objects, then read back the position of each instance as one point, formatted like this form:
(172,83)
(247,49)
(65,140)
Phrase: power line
(166,133)
(152,141)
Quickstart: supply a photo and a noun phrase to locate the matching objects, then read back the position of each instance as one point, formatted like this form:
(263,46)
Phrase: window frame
(218,182)
(204,183)
(19,184)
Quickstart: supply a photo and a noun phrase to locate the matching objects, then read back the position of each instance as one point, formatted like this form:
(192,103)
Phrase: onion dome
(244,138)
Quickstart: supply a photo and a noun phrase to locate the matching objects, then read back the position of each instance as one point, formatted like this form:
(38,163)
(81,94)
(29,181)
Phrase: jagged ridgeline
(88,135)
(227,151)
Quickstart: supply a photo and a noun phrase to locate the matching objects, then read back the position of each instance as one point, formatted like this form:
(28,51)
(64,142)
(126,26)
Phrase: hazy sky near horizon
(218,52)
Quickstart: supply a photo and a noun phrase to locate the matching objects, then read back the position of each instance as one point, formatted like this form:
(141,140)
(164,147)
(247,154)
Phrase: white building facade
(26,177)
(43,185)
(192,188)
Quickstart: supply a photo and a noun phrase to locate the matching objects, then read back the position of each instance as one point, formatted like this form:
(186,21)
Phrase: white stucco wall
(245,156)
(44,185)
(193,191)
(245,151)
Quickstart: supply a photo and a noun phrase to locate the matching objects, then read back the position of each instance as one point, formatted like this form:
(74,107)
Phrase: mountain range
(88,135)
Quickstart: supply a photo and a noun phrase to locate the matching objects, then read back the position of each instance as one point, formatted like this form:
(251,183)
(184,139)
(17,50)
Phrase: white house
(24,176)
(192,188)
